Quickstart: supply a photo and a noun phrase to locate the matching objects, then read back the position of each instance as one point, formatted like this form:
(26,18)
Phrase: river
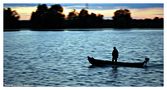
(48,58)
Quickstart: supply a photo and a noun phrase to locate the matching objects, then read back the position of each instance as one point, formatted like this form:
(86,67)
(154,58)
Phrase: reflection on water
(33,58)
(114,72)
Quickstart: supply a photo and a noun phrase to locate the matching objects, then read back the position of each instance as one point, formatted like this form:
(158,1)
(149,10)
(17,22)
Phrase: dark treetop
(53,18)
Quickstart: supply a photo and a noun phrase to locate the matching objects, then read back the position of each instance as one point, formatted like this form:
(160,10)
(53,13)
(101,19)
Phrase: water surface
(34,58)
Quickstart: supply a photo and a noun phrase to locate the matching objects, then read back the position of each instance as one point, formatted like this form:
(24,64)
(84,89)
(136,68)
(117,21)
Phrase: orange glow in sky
(25,12)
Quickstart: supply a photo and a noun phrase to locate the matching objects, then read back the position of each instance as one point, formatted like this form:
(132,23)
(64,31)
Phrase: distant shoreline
(49,18)
(79,29)
(139,24)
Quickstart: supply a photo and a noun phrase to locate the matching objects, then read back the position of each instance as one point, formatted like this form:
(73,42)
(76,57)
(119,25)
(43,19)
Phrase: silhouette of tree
(122,14)
(45,17)
(86,20)
(155,22)
(42,8)
(100,16)
(83,19)
(72,15)
(55,17)
(83,13)
(158,22)
(37,17)
(72,19)
(57,8)
(95,20)
(11,18)
(52,17)
(122,18)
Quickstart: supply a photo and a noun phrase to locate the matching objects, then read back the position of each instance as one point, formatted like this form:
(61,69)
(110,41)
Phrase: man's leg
(116,60)
(112,59)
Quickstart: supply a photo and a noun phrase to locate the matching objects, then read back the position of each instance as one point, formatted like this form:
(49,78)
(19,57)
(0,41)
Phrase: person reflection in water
(114,55)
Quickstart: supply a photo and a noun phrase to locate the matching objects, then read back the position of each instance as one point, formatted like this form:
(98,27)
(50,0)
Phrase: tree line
(53,18)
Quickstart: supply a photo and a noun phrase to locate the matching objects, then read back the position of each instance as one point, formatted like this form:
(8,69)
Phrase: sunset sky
(138,11)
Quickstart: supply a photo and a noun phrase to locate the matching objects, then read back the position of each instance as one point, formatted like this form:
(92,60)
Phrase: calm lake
(48,58)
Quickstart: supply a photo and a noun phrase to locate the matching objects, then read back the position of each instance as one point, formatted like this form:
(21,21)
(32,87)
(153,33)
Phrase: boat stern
(146,61)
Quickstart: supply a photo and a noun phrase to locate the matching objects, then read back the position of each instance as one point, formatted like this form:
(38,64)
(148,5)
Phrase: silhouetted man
(114,54)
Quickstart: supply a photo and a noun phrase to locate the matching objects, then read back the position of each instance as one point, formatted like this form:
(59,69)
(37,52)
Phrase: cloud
(75,7)
(108,6)
(19,5)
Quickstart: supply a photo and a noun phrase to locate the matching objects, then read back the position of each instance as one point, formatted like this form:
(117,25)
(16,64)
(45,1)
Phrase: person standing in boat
(114,54)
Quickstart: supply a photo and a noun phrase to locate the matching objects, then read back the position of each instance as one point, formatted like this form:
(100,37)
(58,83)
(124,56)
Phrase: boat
(98,62)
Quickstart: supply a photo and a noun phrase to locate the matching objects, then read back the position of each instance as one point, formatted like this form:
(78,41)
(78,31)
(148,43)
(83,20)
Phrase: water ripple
(60,58)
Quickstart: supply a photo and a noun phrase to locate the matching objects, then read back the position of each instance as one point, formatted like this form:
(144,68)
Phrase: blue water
(34,58)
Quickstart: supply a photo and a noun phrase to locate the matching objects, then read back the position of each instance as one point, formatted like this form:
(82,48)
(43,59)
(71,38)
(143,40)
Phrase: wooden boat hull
(98,62)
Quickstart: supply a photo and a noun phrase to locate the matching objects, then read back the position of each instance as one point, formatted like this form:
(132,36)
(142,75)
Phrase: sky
(138,11)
